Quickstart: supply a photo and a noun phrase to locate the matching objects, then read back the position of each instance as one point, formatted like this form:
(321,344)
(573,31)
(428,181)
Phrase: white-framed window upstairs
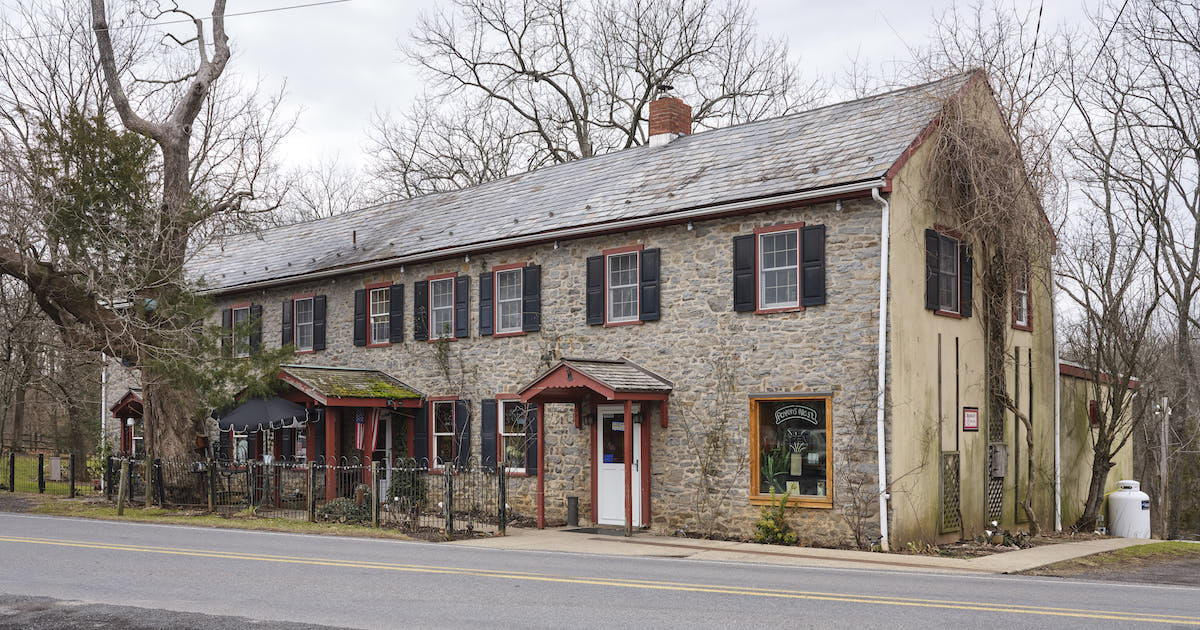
(241,343)
(380,300)
(948,274)
(779,269)
(441,308)
(303,323)
(622,287)
(508,301)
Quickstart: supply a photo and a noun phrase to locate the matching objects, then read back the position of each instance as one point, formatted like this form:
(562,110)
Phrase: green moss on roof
(375,389)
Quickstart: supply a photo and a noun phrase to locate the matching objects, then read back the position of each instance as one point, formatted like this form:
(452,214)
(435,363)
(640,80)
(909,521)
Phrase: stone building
(671,333)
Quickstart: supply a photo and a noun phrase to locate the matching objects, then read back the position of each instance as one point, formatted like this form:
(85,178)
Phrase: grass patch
(83,509)
(1124,558)
(26,474)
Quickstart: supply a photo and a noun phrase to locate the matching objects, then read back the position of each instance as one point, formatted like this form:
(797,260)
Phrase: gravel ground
(10,502)
(1177,571)
(37,613)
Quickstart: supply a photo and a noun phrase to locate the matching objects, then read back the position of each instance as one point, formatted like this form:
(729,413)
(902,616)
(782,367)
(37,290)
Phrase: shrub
(342,509)
(772,527)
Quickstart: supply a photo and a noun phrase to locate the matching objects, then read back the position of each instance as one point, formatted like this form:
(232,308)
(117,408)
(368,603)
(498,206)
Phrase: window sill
(1024,327)
(437,339)
(635,322)
(305,352)
(781,309)
(950,314)
(515,333)
(804,502)
(381,344)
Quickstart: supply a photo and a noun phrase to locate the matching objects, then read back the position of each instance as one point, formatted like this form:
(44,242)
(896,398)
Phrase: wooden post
(211,468)
(41,473)
(72,472)
(628,468)
(312,500)
(123,490)
(374,493)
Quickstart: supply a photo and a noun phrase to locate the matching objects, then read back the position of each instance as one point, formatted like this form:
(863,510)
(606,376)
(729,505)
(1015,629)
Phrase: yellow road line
(631,583)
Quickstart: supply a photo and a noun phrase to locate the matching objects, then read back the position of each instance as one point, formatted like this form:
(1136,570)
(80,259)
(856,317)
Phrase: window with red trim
(509,287)
(511,434)
(441,308)
(441,436)
(379,324)
(303,323)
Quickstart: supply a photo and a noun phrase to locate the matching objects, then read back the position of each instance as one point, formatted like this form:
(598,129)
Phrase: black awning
(257,414)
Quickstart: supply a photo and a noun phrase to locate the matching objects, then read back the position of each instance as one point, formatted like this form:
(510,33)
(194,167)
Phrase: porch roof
(619,379)
(130,405)
(349,387)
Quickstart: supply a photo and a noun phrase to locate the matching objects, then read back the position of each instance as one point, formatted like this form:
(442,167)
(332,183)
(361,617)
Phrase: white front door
(610,467)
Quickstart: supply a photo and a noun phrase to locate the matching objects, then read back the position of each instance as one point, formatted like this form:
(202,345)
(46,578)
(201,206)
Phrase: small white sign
(618,425)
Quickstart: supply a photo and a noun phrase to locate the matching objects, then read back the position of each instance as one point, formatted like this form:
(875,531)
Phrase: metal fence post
(375,494)
(41,473)
(449,474)
(502,494)
(12,472)
(312,500)
(157,479)
(211,467)
(72,468)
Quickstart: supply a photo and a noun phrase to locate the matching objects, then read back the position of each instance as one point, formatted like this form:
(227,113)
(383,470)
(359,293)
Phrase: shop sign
(796,412)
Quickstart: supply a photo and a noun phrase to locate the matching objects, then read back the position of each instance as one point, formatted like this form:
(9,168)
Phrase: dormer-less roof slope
(852,142)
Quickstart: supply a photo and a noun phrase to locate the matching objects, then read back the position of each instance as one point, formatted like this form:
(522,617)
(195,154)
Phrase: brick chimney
(670,118)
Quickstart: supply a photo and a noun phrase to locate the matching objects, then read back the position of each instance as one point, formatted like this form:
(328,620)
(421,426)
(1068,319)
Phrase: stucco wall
(937,368)
(1077,439)
(824,348)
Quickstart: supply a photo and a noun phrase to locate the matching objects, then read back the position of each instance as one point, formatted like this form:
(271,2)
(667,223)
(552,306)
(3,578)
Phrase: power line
(1033,52)
(1063,119)
(180,21)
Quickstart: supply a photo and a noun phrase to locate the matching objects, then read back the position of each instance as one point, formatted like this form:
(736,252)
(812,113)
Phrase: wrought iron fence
(47,474)
(440,502)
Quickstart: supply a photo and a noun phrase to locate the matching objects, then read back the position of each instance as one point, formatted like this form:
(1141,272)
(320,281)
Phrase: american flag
(360,427)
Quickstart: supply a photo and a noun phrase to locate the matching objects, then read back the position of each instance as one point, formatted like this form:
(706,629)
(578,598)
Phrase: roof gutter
(560,234)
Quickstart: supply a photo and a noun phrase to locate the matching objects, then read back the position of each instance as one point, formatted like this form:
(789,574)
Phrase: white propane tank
(1129,511)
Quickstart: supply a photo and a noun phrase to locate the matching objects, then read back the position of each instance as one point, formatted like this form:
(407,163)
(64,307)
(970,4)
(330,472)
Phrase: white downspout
(1057,407)
(882,376)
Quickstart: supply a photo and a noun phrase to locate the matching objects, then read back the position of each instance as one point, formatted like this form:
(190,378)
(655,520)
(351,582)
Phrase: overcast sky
(342,61)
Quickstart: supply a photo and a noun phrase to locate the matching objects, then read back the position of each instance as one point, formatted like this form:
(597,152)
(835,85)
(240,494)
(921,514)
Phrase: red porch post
(541,470)
(331,449)
(628,468)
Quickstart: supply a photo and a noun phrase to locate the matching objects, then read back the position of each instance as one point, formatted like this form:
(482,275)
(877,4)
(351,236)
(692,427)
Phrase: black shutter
(648,269)
(360,317)
(488,432)
(966,280)
(531,438)
(256,329)
(595,290)
(462,434)
(421,435)
(812,265)
(932,241)
(487,315)
(421,310)
(743,273)
(252,445)
(462,301)
(531,298)
(285,323)
(396,313)
(227,337)
(319,322)
(318,447)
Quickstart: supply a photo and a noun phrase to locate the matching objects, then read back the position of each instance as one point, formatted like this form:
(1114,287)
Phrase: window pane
(510,316)
(444,448)
(948,274)
(443,417)
(624,303)
(514,418)
(792,447)
(508,284)
(304,336)
(779,273)
(779,249)
(442,292)
(508,300)
(304,311)
(622,287)
(241,343)
(514,451)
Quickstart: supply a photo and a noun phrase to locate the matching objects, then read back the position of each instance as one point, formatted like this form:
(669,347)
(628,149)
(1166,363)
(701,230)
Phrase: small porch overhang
(350,387)
(129,406)
(585,383)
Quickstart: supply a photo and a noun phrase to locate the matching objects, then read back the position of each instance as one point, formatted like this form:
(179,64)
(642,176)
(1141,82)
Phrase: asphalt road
(117,568)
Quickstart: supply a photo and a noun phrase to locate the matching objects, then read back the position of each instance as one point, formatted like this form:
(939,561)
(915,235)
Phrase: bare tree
(558,80)
(323,189)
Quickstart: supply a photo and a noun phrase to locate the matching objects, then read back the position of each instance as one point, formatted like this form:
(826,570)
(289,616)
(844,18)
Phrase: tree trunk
(18,423)
(1101,464)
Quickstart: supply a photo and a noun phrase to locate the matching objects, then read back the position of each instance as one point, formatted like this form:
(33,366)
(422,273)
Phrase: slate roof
(855,141)
(621,375)
(336,382)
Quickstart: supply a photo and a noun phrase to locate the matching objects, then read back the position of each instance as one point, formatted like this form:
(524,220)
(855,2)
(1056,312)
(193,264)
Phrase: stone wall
(716,358)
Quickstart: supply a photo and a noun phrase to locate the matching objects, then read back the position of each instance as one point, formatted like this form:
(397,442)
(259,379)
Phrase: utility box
(56,469)
(998,460)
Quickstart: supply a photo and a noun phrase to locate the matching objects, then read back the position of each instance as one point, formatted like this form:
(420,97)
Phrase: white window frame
(500,302)
(759,252)
(241,345)
(609,287)
(501,435)
(379,318)
(1021,315)
(298,325)
(435,435)
(956,285)
(434,333)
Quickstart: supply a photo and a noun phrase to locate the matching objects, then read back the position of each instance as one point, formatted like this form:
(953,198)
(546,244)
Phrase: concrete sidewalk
(647,545)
